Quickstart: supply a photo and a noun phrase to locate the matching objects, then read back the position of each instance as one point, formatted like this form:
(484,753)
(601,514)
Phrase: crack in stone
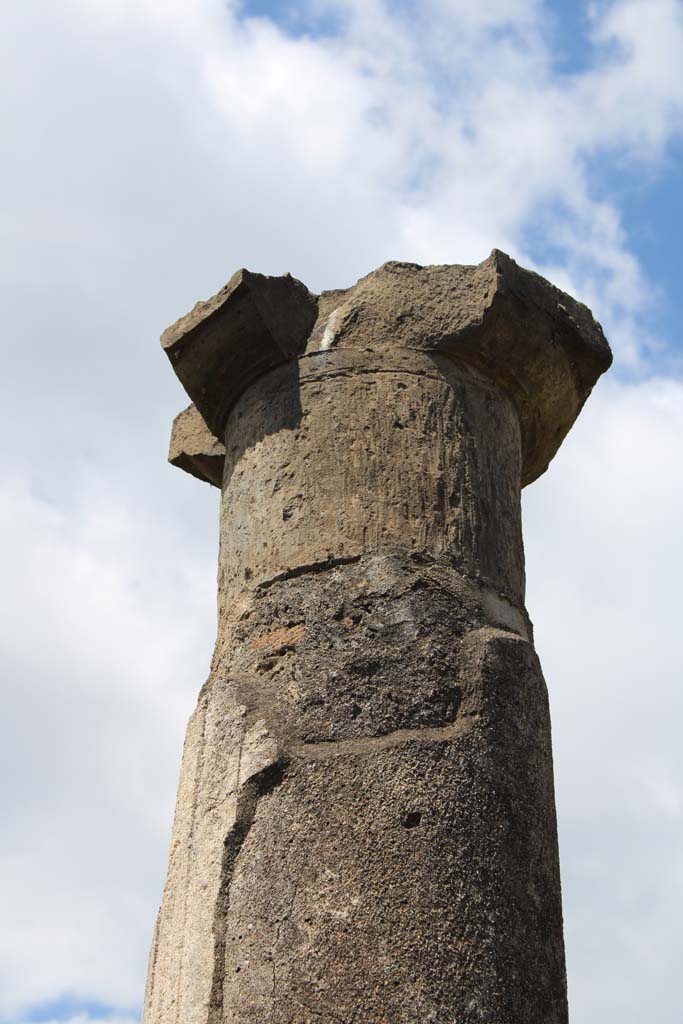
(499,608)
(336,748)
(311,567)
(256,787)
(314,376)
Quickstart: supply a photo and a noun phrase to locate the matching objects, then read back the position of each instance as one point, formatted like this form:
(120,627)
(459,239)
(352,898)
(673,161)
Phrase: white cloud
(151,149)
(636,99)
(104,643)
(604,562)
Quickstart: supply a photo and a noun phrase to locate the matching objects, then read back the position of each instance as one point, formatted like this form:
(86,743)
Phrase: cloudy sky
(151,147)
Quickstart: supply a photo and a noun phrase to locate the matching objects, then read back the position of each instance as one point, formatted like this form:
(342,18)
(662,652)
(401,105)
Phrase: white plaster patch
(331,328)
(501,613)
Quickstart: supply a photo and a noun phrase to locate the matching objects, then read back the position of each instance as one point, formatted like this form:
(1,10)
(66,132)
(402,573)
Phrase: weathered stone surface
(254,323)
(347,453)
(365,827)
(535,342)
(195,449)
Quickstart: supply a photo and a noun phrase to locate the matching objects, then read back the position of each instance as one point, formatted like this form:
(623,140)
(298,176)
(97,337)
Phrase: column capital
(536,343)
(195,449)
(253,324)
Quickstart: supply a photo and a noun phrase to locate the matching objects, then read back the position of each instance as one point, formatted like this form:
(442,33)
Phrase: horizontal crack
(367,744)
(499,609)
(315,376)
(311,567)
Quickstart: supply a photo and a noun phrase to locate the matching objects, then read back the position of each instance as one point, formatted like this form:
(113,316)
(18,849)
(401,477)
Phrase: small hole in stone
(412,819)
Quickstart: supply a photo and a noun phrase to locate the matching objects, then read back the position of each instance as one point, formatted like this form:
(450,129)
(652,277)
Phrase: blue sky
(68,1007)
(652,207)
(646,192)
(154,146)
(649,194)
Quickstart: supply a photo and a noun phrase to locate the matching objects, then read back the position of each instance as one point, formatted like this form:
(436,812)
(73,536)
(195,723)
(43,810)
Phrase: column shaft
(366,828)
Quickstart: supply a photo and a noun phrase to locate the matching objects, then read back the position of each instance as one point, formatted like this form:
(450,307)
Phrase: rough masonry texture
(365,826)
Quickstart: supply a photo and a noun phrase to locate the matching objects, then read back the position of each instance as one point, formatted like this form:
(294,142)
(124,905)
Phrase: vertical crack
(259,785)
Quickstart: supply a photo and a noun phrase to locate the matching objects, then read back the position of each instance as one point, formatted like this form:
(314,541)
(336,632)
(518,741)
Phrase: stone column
(365,827)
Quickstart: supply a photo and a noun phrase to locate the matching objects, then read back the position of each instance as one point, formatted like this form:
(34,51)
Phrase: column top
(538,344)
